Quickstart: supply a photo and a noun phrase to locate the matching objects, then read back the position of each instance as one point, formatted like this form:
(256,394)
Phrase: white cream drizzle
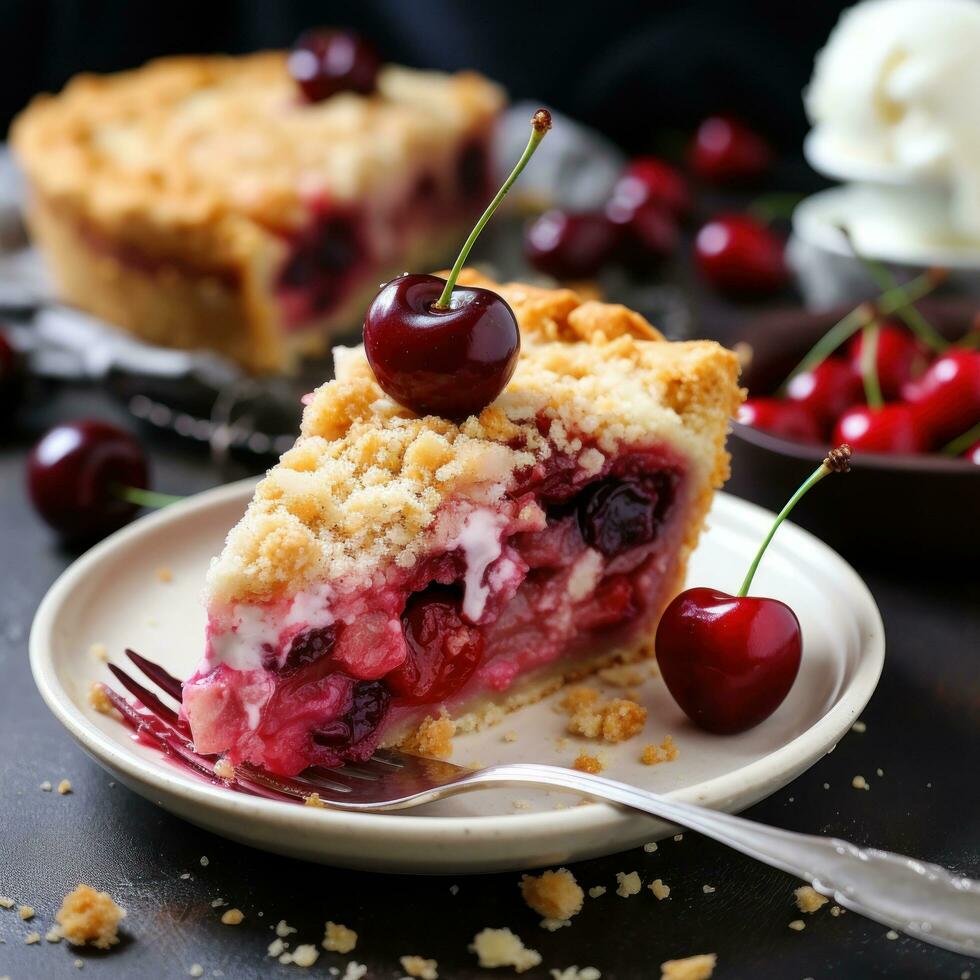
(479,540)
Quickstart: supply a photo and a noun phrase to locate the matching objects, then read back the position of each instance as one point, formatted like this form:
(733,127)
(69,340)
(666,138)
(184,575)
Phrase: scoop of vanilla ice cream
(898,84)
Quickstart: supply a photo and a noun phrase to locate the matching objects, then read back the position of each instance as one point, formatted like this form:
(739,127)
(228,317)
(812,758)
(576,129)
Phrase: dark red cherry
(354,735)
(728,661)
(899,358)
(74,473)
(892,428)
(443,651)
(788,419)
(740,256)
(324,62)
(309,646)
(726,151)
(617,513)
(946,398)
(973,453)
(570,246)
(647,233)
(451,362)
(649,179)
(827,390)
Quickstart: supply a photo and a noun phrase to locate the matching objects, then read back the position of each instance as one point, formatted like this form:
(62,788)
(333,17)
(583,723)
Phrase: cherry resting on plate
(725,150)
(740,256)
(729,661)
(442,349)
(324,62)
(788,419)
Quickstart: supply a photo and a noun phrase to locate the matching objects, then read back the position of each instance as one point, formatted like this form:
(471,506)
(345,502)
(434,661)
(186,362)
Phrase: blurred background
(679,61)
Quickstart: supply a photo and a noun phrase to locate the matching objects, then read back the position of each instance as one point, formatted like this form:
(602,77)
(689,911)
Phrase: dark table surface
(923,730)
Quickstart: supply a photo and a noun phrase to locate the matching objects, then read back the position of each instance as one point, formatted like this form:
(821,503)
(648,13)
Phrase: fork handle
(923,900)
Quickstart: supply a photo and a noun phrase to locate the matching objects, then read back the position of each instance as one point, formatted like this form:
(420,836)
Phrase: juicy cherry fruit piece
(618,513)
(725,150)
(450,362)
(893,428)
(74,472)
(729,661)
(570,246)
(827,390)
(740,256)
(789,419)
(651,180)
(946,398)
(352,733)
(899,358)
(324,62)
(646,233)
(442,650)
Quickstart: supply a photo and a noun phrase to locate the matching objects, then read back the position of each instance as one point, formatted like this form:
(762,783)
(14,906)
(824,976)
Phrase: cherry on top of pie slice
(393,569)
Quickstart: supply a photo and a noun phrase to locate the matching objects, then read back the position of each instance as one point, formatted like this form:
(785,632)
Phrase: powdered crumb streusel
(500,947)
(708,889)
(699,967)
(338,938)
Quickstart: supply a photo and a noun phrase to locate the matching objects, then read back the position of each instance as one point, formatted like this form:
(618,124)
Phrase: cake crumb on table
(196,970)
(46,786)
(338,938)
(659,889)
(88,916)
(836,910)
(418,966)
(653,755)
(699,967)
(587,763)
(859,782)
(223,769)
(678,837)
(556,895)
(32,937)
(860,727)
(808,899)
(574,973)
(354,971)
(798,925)
(64,787)
(708,889)
(500,947)
(650,846)
(611,721)
(891,934)
(233,917)
(204,861)
(6,903)
(26,912)
(628,883)
(596,891)
(53,935)
(304,955)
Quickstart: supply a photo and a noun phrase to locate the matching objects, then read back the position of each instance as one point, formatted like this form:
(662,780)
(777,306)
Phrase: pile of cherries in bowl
(639,226)
(907,397)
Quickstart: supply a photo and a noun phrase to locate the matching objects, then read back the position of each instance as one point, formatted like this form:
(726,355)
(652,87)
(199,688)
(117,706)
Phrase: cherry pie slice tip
(201,202)
(396,577)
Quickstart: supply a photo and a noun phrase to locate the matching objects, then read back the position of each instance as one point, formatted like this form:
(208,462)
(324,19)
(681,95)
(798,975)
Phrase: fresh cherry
(647,233)
(623,512)
(651,180)
(77,475)
(442,349)
(324,62)
(946,398)
(570,246)
(442,650)
(353,734)
(730,660)
(725,150)
(891,428)
(827,390)
(788,419)
(740,256)
(899,358)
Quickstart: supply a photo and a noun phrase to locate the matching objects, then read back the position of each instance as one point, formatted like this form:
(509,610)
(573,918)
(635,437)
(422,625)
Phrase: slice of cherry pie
(395,575)
(204,202)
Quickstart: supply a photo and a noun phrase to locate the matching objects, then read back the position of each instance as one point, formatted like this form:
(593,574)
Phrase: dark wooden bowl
(894,508)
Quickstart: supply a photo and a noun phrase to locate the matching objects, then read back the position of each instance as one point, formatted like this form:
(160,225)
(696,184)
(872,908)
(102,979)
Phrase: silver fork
(923,900)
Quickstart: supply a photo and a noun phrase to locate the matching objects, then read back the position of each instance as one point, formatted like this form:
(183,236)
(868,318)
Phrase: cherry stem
(912,316)
(837,461)
(540,124)
(779,205)
(962,443)
(145,498)
(869,365)
(887,303)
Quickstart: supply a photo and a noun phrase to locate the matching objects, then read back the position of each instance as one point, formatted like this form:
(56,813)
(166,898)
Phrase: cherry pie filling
(566,566)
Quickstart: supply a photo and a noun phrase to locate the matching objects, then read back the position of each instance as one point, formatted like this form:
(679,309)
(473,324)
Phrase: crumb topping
(587,763)
(699,967)
(611,721)
(338,938)
(653,755)
(418,966)
(553,894)
(89,916)
(501,947)
(433,738)
(364,483)
(809,899)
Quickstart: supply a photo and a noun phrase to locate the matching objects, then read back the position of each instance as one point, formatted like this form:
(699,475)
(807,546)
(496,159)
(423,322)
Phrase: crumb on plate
(653,755)
(433,738)
(611,721)
(587,763)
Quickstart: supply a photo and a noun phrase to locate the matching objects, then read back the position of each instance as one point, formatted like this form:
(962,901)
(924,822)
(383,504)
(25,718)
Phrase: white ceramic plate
(114,596)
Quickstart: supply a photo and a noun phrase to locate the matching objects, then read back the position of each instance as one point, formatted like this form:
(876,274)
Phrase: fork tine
(148,699)
(166,682)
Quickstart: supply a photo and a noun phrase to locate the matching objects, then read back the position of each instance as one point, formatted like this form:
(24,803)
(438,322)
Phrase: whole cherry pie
(398,577)
(211,202)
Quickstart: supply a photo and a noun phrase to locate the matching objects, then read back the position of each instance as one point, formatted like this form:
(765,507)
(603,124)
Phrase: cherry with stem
(962,443)
(729,661)
(869,364)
